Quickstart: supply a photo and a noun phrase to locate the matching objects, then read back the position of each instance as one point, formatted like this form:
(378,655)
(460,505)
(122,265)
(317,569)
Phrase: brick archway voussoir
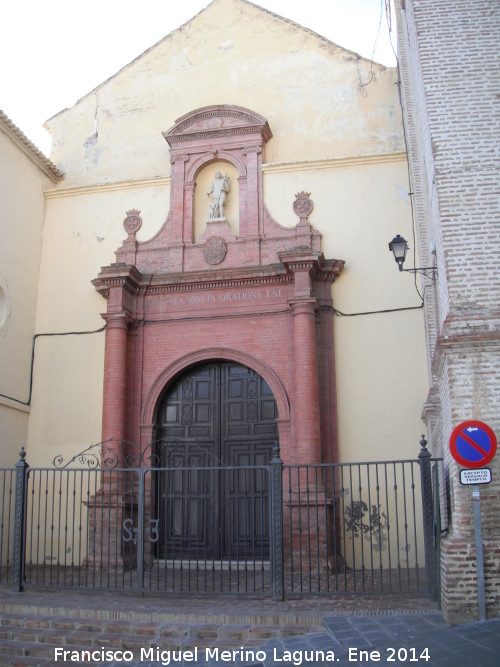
(194,358)
(207,158)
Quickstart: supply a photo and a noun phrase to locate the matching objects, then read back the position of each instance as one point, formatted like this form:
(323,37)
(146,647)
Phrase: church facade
(305,170)
(213,265)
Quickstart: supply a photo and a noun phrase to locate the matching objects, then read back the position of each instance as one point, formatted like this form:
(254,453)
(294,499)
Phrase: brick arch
(207,158)
(165,378)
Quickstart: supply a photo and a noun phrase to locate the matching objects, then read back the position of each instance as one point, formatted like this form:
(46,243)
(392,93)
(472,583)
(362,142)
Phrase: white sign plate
(476,476)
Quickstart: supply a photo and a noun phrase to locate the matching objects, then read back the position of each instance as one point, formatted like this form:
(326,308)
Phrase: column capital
(179,158)
(119,320)
(252,149)
(304,306)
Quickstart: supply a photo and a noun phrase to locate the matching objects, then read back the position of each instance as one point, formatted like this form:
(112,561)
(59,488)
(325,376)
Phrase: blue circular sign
(473,444)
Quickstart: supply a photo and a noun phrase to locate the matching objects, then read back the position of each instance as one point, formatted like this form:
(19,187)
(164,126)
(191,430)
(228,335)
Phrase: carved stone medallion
(214,250)
(214,123)
(133,221)
(302,205)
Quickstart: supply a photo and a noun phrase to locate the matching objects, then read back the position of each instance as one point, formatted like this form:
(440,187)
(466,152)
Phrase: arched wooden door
(215,422)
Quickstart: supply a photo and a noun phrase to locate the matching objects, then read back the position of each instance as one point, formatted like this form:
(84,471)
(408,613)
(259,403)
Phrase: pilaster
(307,418)
(115,381)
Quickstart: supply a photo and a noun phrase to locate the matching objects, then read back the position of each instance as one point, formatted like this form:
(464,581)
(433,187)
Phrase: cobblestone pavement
(389,640)
(395,639)
(215,632)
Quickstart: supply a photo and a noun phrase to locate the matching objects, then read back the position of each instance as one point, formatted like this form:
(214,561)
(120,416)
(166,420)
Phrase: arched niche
(225,133)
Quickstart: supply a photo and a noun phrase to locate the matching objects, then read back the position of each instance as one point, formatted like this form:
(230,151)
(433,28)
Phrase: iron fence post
(424,459)
(18,555)
(140,531)
(277,575)
(437,528)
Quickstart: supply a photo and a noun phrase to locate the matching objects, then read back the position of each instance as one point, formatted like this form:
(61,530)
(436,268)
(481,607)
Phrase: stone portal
(260,299)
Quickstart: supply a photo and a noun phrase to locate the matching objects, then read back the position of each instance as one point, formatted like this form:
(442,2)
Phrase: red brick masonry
(262,299)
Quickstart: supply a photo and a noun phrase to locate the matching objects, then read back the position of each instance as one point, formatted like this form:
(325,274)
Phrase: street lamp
(399,246)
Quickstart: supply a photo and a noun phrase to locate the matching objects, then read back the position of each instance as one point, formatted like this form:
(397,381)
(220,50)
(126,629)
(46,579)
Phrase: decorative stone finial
(276,453)
(424,452)
(302,206)
(133,222)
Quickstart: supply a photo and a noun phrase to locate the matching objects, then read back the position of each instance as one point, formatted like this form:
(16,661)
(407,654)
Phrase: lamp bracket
(427,271)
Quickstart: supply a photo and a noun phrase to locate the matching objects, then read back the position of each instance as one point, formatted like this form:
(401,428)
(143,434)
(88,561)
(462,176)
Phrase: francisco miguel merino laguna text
(169,657)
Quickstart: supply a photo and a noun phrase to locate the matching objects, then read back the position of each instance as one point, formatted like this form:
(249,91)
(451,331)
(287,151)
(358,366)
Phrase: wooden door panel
(246,513)
(185,496)
(216,414)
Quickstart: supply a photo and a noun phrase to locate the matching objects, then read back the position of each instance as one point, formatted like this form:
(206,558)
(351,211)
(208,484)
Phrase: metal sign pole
(473,444)
(481,600)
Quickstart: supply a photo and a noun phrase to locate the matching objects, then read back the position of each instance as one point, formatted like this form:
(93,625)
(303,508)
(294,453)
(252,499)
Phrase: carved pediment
(217,121)
(204,138)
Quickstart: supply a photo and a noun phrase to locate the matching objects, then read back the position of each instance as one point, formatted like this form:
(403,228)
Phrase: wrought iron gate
(294,529)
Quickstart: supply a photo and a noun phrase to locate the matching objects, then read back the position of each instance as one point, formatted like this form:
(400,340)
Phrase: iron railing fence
(274,530)
(7,502)
(190,530)
(355,528)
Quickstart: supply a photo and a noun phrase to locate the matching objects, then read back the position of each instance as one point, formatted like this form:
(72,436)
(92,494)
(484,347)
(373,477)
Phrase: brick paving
(195,630)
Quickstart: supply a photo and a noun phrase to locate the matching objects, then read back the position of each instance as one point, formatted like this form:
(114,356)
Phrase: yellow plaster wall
(83,228)
(312,92)
(21,221)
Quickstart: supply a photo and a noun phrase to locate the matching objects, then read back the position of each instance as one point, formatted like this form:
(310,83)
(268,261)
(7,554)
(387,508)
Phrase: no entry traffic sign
(473,444)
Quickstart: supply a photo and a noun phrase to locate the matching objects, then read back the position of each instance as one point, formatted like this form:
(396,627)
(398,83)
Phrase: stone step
(31,639)
(19,652)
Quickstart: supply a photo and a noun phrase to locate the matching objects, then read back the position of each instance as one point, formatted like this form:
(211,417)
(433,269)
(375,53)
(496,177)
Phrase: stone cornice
(123,275)
(117,275)
(210,284)
(466,331)
(269,168)
(130,279)
(314,262)
(332,163)
(77,191)
(29,149)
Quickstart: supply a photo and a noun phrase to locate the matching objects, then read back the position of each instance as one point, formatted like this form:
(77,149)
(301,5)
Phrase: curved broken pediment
(217,121)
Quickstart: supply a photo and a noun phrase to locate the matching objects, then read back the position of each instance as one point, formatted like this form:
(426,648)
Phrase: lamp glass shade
(399,246)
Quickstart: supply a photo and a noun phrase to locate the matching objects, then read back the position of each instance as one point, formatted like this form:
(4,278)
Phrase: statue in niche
(218,189)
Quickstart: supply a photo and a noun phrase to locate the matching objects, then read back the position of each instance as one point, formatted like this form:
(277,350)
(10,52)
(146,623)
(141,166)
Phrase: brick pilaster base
(459,580)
